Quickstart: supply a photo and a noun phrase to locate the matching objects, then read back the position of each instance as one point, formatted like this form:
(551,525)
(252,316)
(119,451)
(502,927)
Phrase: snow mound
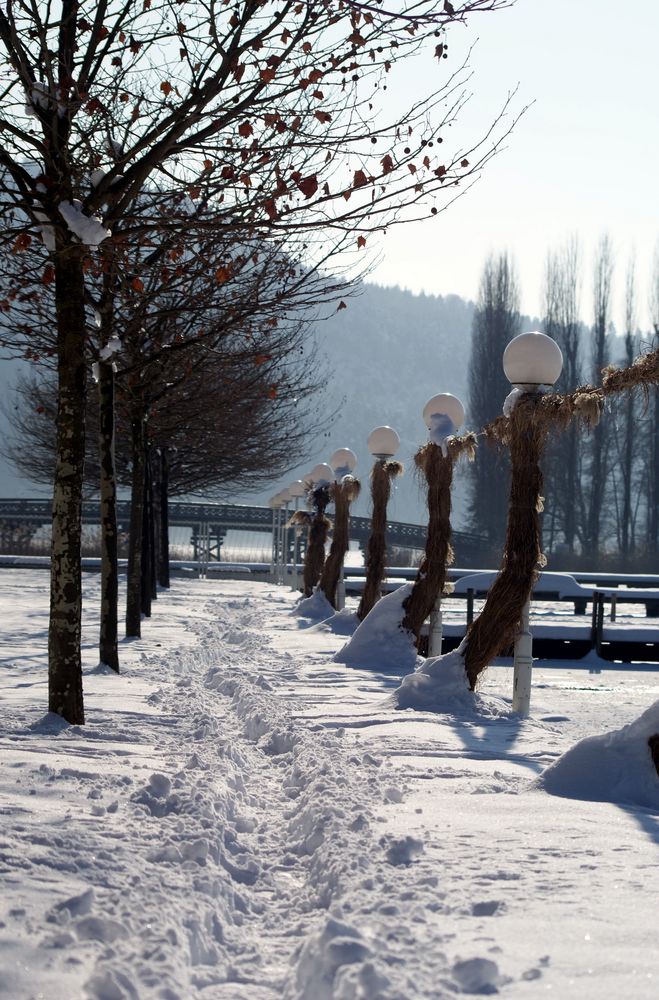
(477,976)
(402,850)
(379,643)
(614,767)
(337,962)
(316,607)
(342,623)
(439,684)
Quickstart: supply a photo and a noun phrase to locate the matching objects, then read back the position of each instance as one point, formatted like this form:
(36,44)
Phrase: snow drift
(379,643)
(614,767)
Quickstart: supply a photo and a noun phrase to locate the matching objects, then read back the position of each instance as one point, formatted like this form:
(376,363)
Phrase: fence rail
(241,517)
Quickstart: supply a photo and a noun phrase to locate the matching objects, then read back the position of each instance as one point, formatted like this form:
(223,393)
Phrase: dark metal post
(470,605)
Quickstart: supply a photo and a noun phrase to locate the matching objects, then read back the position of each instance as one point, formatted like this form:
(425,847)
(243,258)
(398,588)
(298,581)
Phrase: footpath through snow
(244,819)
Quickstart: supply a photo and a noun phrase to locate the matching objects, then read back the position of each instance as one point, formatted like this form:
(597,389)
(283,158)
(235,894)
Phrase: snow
(243,818)
(511,401)
(379,642)
(39,97)
(89,229)
(47,231)
(612,767)
(317,608)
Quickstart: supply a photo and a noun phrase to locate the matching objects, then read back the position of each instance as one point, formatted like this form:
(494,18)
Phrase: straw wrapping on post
(641,374)
(382,475)
(430,581)
(343,495)
(319,525)
(525,431)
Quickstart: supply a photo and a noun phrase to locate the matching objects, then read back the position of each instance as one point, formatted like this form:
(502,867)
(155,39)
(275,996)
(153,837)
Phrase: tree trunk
(163,546)
(376,549)
(572,485)
(134,583)
(495,628)
(627,472)
(64,632)
(653,491)
(147,551)
(153,497)
(597,487)
(329,578)
(431,577)
(108,647)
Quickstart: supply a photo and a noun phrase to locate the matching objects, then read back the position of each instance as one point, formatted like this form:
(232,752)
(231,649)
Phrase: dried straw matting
(525,432)
(431,577)
(343,495)
(382,475)
(319,525)
(643,373)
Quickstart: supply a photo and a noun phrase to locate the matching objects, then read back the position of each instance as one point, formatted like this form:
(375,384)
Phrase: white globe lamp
(343,461)
(443,415)
(297,489)
(383,442)
(321,474)
(532,360)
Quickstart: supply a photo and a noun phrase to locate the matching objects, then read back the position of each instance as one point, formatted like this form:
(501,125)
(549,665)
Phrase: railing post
(470,605)
(593,620)
(599,634)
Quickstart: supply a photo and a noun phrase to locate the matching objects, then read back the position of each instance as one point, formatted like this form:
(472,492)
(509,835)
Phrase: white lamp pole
(273,504)
(530,361)
(286,499)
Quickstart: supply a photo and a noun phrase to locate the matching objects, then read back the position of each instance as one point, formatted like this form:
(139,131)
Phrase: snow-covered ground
(243,818)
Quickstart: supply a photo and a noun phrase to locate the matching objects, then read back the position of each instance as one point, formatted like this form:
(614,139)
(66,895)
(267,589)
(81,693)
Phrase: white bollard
(341,591)
(523,665)
(435,633)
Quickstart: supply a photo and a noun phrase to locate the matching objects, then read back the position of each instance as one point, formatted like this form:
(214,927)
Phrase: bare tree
(625,442)
(561,321)
(496,322)
(598,461)
(261,114)
(652,464)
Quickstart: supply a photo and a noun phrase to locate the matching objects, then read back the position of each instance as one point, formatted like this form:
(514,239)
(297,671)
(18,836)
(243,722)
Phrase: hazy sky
(584,158)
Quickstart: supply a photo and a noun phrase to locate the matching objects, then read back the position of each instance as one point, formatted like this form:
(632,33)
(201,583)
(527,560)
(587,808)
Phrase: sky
(584,158)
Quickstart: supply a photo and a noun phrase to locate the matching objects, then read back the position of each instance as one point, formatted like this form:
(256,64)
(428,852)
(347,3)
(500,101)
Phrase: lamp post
(318,495)
(286,498)
(343,490)
(275,505)
(531,361)
(383,443)
(443,416)
(296,490)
